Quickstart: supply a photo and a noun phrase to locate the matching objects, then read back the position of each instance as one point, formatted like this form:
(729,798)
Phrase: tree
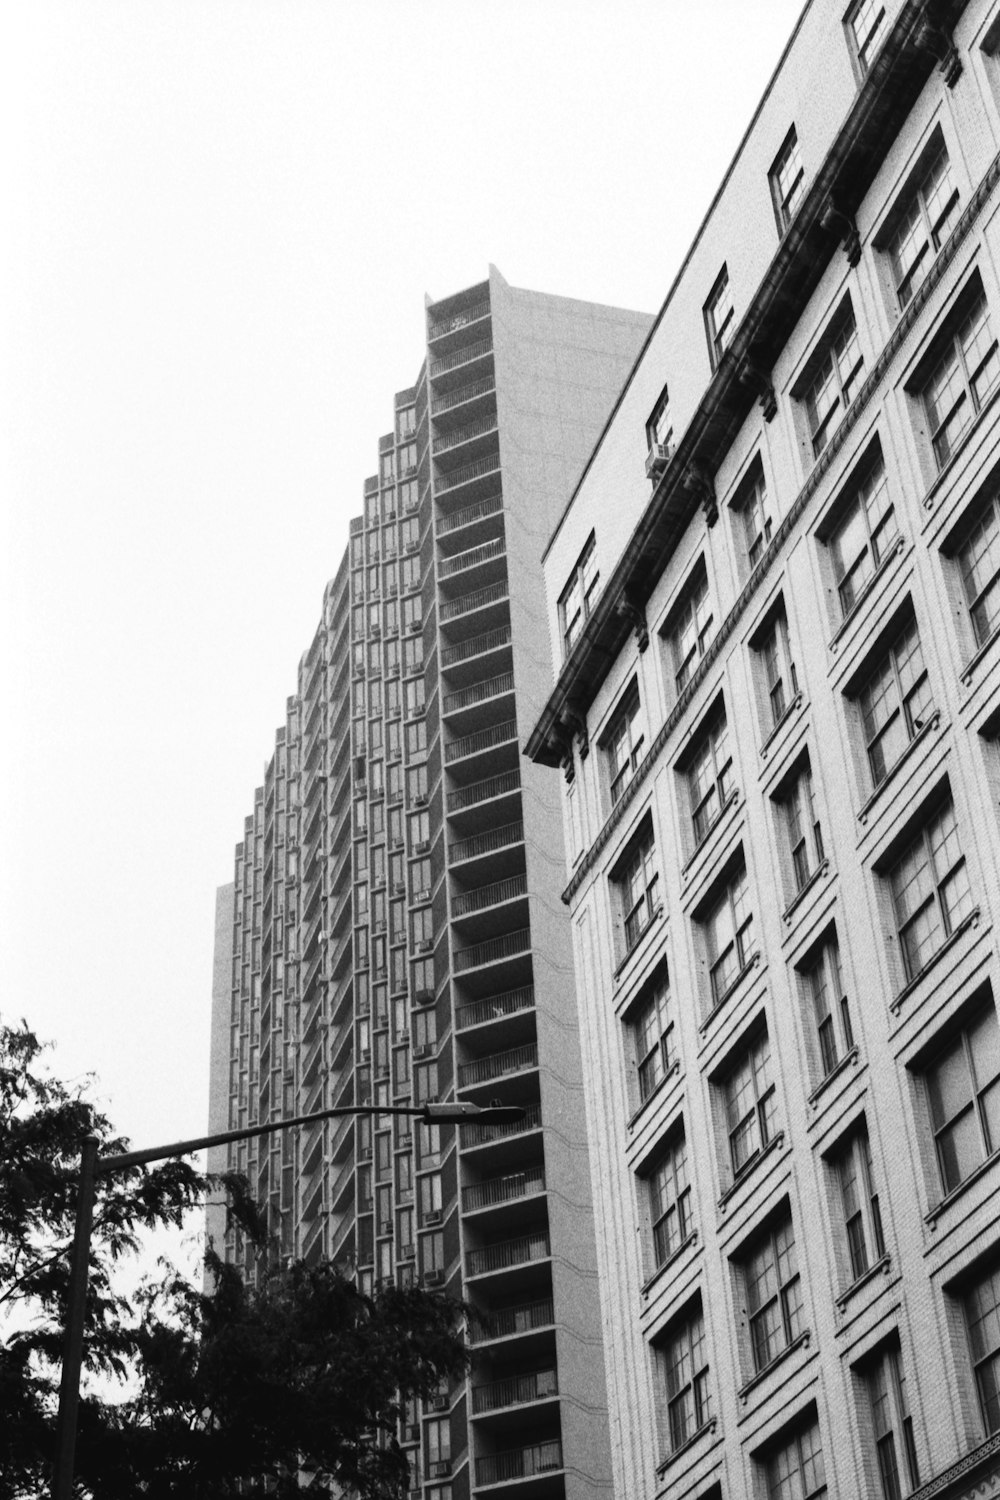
(236,1390)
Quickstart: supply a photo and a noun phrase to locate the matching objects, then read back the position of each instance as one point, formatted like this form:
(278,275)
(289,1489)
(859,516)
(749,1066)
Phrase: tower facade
(777,716)
(394,932)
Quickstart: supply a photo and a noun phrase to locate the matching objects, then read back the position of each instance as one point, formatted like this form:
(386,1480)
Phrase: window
(963,1092)
(660,427)
(828,1002)
(729,935)
(670,1202)
(413,654)
(922,222)
(930,890)
(859,1204)
(409,574)
(577,598)
(979,562)
(438,1433)
(787,181)
(421,928)
(867,22)
(754,510)
(710,776)
(690,628)
(637,879)
(895,703)
(833,382)
(406,421)
(720,318)
(863,537)
(780,680)
(982,1316)
(965,373)
(892,1424)
(624,744)
(751,1105)
(774,1298)
(802,828)
(414,696)
(416,738)
(685,1358)
(796,1471)
(653,1032)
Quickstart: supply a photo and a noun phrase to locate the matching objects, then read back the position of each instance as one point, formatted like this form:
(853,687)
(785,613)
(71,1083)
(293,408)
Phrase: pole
(69,1386)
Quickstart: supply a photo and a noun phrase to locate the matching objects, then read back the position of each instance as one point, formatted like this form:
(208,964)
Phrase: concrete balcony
(498,1065)
(515,1464)
(486,897)
(463,703)
(465,661)
(475,567)
(482,745)
(491,842)
(470,515)
(496,951)
(468,438)
(508,1254)
(487,1327)
(451,401)
(474,1136)
(518,1390)
(494,1009)
(443,369)
(469,482)
(463,799)
(439,328)
(497,1191)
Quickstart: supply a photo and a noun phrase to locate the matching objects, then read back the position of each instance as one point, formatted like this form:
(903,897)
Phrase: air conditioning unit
(415,626)
(425,945)
(657,459)
(434,1217)
(412,546)
(421,800)
(382,1071)
(424,1050)
(421,895)
(389,515)
(375,631)
(423,847)
(411,1434)
(436,1278)
(366,1053)
(399,889)
(411,505)
(439,1470)
(380,926)
(438,1403)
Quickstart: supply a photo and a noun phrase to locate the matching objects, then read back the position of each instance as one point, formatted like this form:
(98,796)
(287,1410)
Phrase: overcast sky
(222,217)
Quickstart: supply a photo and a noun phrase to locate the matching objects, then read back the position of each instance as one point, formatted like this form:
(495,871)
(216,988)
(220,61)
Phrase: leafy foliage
(251,1389)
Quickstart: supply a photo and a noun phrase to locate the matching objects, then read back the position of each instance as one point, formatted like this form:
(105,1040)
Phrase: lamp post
(93,1166)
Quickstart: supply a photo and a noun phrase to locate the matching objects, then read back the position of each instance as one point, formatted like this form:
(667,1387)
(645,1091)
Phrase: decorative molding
(882,1265)
(839,1067)
(972,920)
(835,221)
(699,483)
(934,37)
(756,378)
(923,733)
(631,610)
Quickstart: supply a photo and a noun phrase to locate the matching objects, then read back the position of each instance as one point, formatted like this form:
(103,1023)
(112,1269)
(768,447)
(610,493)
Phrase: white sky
(221,220)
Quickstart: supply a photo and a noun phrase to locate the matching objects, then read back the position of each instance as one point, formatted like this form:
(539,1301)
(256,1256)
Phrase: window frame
(741,943)
(828,1003)
(892,1424)
(979,1354)
(854,572)
(904,696)
(860,1208)
(583,582)
(825,372)
(684,1355)
(913,210)
(948,923)
(986,509)
(776,1243)
(652,1025)
(951,1171)
(692,613)
(802,827)
(623,743)
(758,1119)
(635,879)
(708,769)
(948,357)
(777,1486)
(720,329)
(670,1199)
(787,200)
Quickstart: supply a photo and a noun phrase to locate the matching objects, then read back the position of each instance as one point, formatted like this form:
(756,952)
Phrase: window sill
(773,1145)
(725,997)
(649,1284)
(671,1072)
(801,1342)
(925,730)
(731,801)
(880,1267)
(969,670)
(803,890)
(637,944)
(941,478)
(956,1192)
(834,1073)
(672,1458)
(865,594)
(972,920)
(789,713)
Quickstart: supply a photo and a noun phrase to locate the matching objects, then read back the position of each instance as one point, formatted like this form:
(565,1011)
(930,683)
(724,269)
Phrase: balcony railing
(479,428)
(486,843)
(515,1391)
(485,1135)
(507,1321)
(467,392)
(502,1189)
(479,692)
(482,739)
(485,896)
(470,514)
(508,945)
(498,1065)
(440,326)
(482,791)
(473,557)
(490,640)
(495,1007)
(461,356)
(519,1463)
(493,593)
(489,464)
(519,1252)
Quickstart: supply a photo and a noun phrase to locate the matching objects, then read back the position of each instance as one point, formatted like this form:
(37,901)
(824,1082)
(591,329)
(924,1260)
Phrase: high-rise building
(394,932)
(778,718)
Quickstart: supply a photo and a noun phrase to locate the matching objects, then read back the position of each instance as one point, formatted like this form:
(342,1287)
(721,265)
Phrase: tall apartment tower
(394,933)
(778,716)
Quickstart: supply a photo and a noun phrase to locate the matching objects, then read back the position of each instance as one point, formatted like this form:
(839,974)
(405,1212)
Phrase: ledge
(944,475)
(650,1282)
(773,1145)
(922,734)
(972,920)
(865,594)
(804,890)
(835,1072)
(935,1213)
(801,1342)
(658,913)
(731,801)
(671,1072)
(963,1469)
(882,1266)
(724,999)
(968,671)
(706,1427)
(792,708)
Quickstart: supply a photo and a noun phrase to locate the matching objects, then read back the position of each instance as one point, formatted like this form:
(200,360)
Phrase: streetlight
(92,1166)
